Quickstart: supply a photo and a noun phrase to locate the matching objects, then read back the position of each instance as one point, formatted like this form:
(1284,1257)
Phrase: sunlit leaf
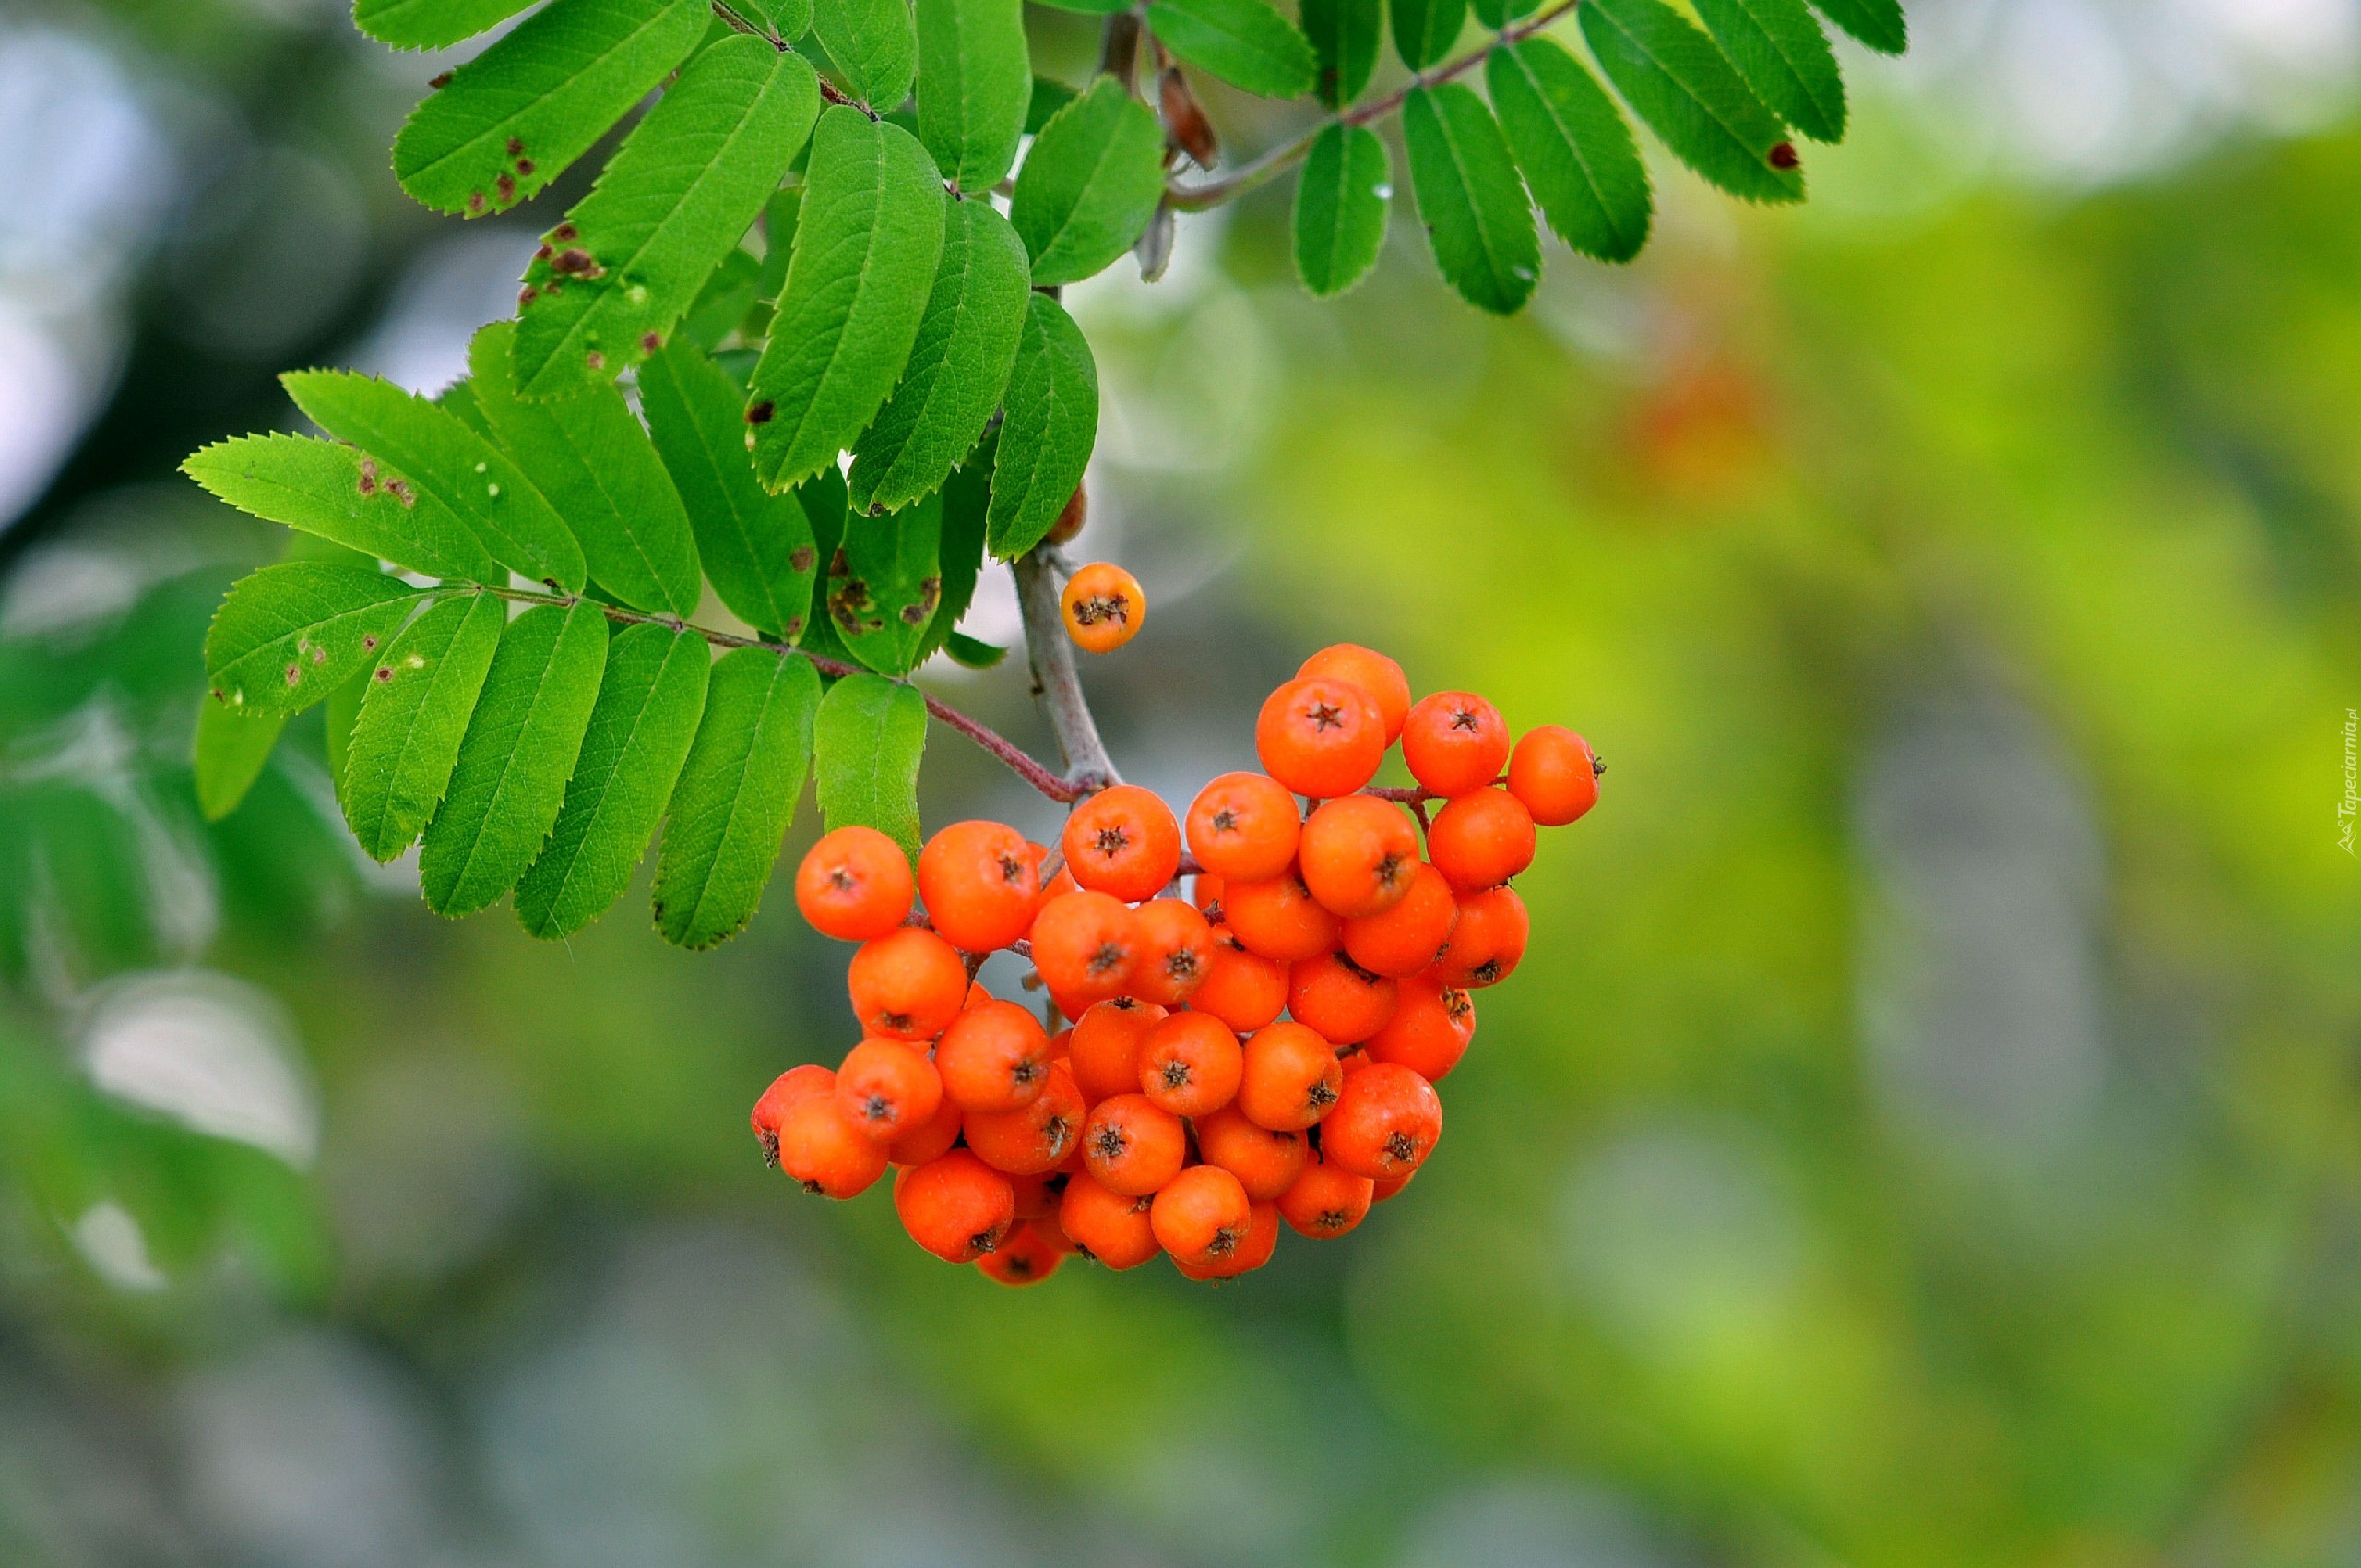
(736,796)
(1244,42)
(1045,436)
(289,635)
(1779,49)
(1341,202)
(337,494)
(975,87)
(1344,36)
(1089,184)
(1470,199)
(871,735)
(414,711)
(1574,147)
(1675,78)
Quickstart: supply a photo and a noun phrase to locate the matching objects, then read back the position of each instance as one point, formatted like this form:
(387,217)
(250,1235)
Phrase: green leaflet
(1244,42)
(414,709)
(1779,49)
(289,635)
(1477,218)
(1498,14)
(518,752)
(866,241)
(778,240)
(1678,82)
(588,454)
(338,715)
(975,87)
(1424,30)
(448,461)
(872,732)
(430,24)
(1575,150)
(1049,97)
(883,584)
(1090,8)
(609,282)
(1045,436)
(966,651)
(736,795)
(756,546)
(514,117)
(459,399)
(822,501)
(1878,23)
(959,367)
(873,43)
(967,501)
(332,491)
(650,703)
(725,301)
(1344,36)
(1340,208)
(231,747)
(1090,183)
(789,20)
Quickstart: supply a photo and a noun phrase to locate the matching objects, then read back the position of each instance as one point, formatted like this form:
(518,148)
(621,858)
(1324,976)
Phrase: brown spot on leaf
(516,146)
(527,295)
(506,186)
(760,413)
(649,342)
(1784,156)
(542,255)
(294,673)
(438,81)
(575,262)
(565,232)
(369,642)
(385,672)
(595,359)
(475,201)
(524,166)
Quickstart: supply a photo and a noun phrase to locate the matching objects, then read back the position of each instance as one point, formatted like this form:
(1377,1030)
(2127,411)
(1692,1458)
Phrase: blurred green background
(1927,1130)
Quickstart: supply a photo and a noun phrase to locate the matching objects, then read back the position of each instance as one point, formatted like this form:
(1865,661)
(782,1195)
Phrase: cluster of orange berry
(1181,1112)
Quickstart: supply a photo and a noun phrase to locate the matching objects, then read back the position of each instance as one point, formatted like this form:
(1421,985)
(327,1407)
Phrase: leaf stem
(1055,680)
(1286,155)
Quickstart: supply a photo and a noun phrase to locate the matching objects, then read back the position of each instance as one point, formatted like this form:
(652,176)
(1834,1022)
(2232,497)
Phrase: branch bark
(1055,680)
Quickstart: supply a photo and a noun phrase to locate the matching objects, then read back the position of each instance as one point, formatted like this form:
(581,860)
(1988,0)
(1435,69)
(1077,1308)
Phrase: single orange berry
(795,1084)
(930,1139)
(1291,1077)
(1405,939)
(1278,918)
(955,1206)
(981,882)
(826,1150)
(1358,855)
(1378,677)
(1058,885)
(1243,990)
(1123,841)
(1430,1030)
(1454,742)
(1384,1123)
(1327,1200)
(1204,891)
(1555,773)
(1175,952)
(1320,737)
(1132,1145)
(1265,1162)
(1190,1064)
(1071,517)
(1036,1137)
(1105,1046)
(1488,941)
(1243,825)
(1387,1186)
(993,1059)
(1481,839)
(854,884)
(1261,1241)
(907,985)
(1103,606)
(1026,1258)
(1107,1226)
(887,1088)
(1084,944)
(1336,996)
(1201,1215)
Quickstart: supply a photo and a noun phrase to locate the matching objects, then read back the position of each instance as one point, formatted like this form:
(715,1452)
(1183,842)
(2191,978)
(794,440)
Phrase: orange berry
(1190,1064)
(993,1059)
(1176,949)
(1380,679)
(1122,840)
(907,985)
(1405,939)
(1243,825)
(1034,1197)
(1105,1046)
(1384,1123)
(1103,606)
(1026,1258)
(826,1150)
(1058,885)
(930,1140)
(977,997)
(1454,742)
(955,1206)
(1481,839)
(1204,891)
(1486,945)
(887,1088)
(1320,737)
(1289,1079)
(1278,918)
(1265,1162)
(1261,1241)
(1083,944)
(1071,517)
(1358,855)
(1336,996)
(1131,1146)
(1061,1044)
(1327,1200)
(979,880)
(1107,1227)
(794,1083)
(1555,773)
(1243,990)
(1429,1031)
(1035,1138)
(854,884)
(1201,1215)
(1388,1186)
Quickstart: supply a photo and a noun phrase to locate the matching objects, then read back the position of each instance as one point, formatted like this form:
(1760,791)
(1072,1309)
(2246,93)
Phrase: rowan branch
(1056,681)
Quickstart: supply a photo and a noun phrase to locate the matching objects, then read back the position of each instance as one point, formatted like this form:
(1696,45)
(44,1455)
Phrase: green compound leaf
(450,462)
(589,457)
(1050,425)
(513,118)
(1090,183)
(337,494)
(873,43)
(1477,218)
(519,749)
(288,635)
(1340,208)
(1344,36)
(871,733)
(1677,79)
(975,87)
(1575,150)
(1781,51)
(231,747)
(967,501)
(648,708)
(756,547)
(415,705)
(1244,42)
(957,369)
(1877,23)
(736,796)
(430,24)
(885,584)
(866,242)
(612,279)
(1424,30)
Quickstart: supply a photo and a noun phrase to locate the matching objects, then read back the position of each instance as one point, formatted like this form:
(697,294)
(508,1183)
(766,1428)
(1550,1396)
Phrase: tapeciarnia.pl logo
(2346,808)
